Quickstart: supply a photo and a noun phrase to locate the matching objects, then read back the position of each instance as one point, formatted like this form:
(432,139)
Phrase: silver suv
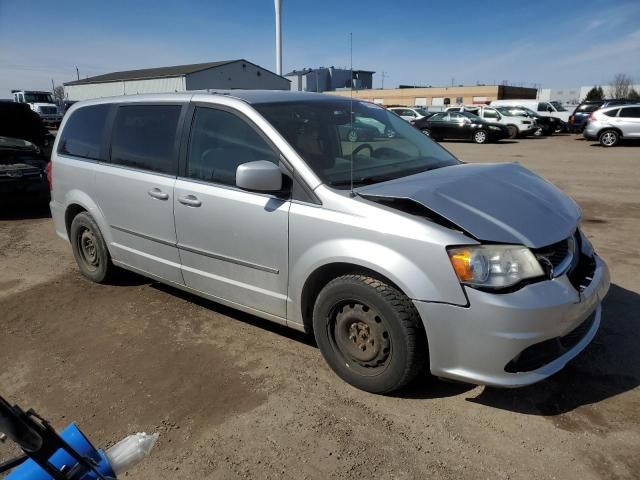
(612,124)
(394,254)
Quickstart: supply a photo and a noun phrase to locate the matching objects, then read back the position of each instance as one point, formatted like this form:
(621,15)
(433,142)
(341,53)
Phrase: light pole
(278,5)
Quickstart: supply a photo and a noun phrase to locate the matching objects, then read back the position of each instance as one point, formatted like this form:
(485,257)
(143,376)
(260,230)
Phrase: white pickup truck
(518,126)
(40,102)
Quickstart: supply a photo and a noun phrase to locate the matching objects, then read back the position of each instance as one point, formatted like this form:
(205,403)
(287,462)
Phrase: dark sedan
(462,125)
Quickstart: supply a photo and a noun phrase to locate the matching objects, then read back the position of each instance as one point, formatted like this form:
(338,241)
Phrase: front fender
(410,277)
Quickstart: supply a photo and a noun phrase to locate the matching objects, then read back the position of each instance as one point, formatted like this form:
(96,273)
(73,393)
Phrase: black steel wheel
(369,333)
(89,249)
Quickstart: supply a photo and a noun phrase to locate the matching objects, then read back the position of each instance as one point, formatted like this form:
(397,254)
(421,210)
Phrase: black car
(579,117)
(23,171)
(17,120)
(462,125)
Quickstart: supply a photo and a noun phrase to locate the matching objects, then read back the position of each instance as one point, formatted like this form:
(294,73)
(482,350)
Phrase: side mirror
(259,176)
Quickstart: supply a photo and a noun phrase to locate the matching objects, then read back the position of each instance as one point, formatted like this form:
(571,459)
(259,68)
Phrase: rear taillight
(50,175)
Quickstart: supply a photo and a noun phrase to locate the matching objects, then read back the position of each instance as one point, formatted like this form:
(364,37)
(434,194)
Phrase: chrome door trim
(206,253)
(224,258)
(142,235)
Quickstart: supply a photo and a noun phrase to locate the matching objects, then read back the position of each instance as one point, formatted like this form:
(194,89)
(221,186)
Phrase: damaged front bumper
(508,340)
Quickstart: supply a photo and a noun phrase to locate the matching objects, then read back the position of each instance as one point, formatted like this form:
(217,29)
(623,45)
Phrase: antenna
(383,75)
(351,107)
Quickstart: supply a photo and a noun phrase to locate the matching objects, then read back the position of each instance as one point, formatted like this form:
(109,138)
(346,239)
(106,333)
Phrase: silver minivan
(394,254)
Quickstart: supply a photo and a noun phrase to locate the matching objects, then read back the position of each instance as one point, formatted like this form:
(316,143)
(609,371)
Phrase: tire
(389,132)
(609,138)
(426,131)
(90,249)
(369,333)
(538,132)
(352,136)
(480,136)
(513,131)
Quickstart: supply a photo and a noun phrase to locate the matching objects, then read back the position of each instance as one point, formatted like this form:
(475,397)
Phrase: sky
(552,44)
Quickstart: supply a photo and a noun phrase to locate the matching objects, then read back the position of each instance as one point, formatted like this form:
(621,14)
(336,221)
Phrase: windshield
(38,98)
(422,111)
(558,106)
(380,144)
(508,112)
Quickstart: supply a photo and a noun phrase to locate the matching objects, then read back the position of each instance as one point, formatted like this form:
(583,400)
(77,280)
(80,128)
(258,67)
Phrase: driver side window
(220,142)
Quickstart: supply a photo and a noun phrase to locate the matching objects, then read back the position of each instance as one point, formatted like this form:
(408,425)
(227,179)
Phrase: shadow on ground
(23,209)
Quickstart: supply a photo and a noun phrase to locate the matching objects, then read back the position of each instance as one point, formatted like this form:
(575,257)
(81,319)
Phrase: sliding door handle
(189,200)
(159,194)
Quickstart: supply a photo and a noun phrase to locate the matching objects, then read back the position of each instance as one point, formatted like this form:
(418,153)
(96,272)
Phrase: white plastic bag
(130,451)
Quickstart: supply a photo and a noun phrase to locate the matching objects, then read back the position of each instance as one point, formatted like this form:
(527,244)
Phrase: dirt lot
(233,396)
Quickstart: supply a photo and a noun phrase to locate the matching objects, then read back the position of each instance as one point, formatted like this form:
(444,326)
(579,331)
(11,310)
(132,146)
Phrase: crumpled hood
(502,202)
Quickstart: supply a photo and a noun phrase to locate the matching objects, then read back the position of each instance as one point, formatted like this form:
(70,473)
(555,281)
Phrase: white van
(543,108)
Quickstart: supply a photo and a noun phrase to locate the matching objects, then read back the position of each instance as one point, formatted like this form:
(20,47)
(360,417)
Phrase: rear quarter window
(612,113)
(144,137)
(82,134)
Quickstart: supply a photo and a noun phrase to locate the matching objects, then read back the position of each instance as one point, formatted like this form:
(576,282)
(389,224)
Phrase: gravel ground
(233,396)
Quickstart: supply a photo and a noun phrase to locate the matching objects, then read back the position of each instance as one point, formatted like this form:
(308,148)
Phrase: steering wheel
(362,147)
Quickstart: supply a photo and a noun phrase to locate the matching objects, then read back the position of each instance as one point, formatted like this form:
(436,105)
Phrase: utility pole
(77,73)
(383,75)
(278,6)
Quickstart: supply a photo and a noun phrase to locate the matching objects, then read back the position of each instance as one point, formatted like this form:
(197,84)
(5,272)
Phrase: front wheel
(426,131)
(369,333)
(480,136)
(352,136)
(609,138)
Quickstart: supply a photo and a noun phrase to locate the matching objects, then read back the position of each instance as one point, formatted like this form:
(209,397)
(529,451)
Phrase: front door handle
(190,200)
(159,194)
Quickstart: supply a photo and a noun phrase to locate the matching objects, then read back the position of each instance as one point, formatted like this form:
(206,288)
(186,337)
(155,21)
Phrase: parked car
(611,124)
(542,108)
(19,121)
(411,114)
(358,131)
(518,125)
(463,125)
(547,125)
(395,255)
(578,119)
(22,171)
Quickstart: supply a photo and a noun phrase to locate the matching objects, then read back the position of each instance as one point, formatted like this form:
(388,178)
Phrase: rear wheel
(369,333)
(608,138)
(352,136)
(513,131)
(480,136)
(389,132)
(426,131)
(90,249)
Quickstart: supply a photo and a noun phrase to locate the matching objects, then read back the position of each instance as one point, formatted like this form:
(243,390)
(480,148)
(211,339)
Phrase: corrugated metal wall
(129,87)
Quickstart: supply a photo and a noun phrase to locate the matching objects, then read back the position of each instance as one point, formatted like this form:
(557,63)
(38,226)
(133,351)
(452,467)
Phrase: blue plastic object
(30,470)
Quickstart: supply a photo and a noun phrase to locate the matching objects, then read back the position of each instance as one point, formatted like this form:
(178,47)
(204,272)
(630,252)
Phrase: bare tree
(58,94)
(621,85)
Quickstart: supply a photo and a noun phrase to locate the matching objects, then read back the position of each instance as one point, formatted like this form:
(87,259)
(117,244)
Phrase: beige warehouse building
(441,96)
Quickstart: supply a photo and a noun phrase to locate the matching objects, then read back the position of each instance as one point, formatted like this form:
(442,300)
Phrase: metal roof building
(228,74)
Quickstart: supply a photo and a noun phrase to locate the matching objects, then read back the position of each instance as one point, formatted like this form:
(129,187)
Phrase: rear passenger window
(612,113)
(82,134)
(220,141)
(144,136)
(630,112)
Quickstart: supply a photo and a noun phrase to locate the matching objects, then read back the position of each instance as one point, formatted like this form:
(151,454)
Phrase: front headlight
(494,266)
(493,127)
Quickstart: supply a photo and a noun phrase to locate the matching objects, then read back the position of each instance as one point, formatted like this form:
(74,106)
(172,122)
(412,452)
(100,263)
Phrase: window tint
(82,134)
(543,107)
(220,142)
(490,113)
(630,112)
(144,137)
(612,113)
(589,107)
